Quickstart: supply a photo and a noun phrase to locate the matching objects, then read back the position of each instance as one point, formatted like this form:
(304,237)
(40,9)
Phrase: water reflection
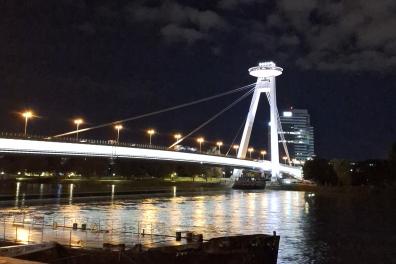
(41,190)
(112,192)
(237,212)
(59,191)
(71,187)
(313,229)
(199,212)
(18,186)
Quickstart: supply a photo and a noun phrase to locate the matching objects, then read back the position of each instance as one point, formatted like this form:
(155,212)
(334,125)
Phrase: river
(313,228)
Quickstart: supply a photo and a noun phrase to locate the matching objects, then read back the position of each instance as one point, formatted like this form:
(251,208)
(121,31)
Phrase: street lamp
(284,159)
(118,128)
(177,136)
(263,152)
(219,144)
(78,122)
(250,152)
(236,147)
(200,140)
(27,115)
(150,132)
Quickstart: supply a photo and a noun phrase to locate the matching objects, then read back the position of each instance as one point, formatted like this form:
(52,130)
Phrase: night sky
(108,60)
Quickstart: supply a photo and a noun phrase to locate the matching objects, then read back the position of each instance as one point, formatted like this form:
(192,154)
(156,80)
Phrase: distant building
(299,134)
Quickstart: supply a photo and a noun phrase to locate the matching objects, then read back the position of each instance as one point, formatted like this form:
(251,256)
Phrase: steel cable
(156,112)
(213,117)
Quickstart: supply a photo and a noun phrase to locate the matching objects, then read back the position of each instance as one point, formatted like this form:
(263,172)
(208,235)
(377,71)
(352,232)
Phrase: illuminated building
(299,134)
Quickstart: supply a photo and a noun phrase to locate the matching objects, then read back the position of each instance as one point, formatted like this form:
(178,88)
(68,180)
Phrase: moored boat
(246,182)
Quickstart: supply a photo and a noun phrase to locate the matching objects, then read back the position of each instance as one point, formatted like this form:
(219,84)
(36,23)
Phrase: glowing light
(236,147)
(287,114)
(219,144)
(27,115)
(250,152)
(118,128)
(200,140)
(177,136)
(150,132)
(78,121)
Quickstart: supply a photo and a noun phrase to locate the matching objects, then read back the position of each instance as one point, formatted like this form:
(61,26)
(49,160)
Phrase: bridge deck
(46,147)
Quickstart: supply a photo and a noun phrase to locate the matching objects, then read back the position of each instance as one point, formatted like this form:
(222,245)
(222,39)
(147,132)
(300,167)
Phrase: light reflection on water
(312,229)
(236,212)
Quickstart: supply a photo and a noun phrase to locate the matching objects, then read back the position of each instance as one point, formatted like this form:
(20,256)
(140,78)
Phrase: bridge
(46,147)
(265,73)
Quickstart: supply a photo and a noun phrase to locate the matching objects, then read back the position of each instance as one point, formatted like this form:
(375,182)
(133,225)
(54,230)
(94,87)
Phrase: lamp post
(284,159)
(177,136)
(78,122)
(250,152)
(150,132)
(27,115)
(219,144)
(118,128)
(236,147)
(200,140)
(263,152)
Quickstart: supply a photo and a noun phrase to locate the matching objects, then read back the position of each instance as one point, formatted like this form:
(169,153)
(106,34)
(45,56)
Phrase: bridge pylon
(266,73)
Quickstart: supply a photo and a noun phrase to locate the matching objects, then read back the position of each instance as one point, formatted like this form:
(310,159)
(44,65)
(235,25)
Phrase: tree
(320,171)
(342,169)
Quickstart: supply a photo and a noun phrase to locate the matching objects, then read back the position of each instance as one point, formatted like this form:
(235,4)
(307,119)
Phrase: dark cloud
(357,35)
(232,4)
(177,21)
(352,36)
(174,32)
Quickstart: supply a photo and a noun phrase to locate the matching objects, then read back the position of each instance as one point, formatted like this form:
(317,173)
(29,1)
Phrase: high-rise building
(298,134)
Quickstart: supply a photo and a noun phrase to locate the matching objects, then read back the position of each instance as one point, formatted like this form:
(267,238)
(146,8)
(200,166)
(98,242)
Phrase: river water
(313,228)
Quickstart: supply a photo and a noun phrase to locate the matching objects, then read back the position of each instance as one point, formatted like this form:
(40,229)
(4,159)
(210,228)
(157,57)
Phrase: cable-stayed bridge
(265,73)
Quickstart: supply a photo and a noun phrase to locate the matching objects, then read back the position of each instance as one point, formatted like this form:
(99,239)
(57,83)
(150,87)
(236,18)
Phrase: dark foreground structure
(249,249)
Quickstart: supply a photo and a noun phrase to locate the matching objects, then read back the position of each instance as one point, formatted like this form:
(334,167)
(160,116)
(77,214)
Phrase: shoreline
(166,191)
(147,189)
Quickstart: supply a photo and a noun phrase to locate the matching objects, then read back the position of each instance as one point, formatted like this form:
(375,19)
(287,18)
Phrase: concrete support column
(274,130)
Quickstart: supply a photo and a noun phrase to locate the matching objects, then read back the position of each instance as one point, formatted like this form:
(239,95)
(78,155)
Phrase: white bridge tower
(265,73)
